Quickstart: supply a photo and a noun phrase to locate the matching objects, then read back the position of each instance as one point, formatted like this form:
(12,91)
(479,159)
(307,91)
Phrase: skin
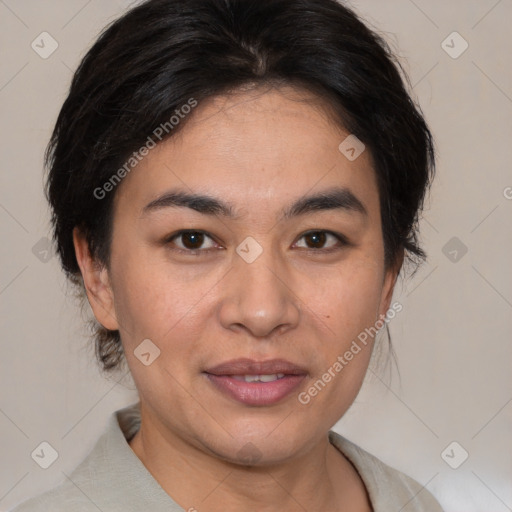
(260,151)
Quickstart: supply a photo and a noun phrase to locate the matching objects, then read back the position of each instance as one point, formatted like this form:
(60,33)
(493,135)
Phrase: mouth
(256,383)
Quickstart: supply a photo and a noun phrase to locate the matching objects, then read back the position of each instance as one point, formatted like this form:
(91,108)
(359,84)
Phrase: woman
(235,185)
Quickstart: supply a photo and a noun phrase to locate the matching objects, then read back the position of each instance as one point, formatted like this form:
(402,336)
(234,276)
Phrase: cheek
(349,306)
(346,306)
(151,301)
(154,303)
(348,299)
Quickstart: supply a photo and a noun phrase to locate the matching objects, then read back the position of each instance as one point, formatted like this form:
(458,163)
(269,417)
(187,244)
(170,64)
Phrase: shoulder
(84,488)
(62,498)
(110,478)
(388,488)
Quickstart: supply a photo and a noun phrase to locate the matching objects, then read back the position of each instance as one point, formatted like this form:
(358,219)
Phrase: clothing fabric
(113,479)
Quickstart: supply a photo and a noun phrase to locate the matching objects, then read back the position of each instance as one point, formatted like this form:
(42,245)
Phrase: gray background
(452,338)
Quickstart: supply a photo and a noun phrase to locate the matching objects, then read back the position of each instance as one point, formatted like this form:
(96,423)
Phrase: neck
(321,479)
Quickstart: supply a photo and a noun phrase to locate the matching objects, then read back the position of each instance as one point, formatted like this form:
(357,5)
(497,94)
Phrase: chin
(260,447)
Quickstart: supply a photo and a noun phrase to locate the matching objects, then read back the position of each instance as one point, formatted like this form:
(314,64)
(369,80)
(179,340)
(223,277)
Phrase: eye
(192,241)
(316,240)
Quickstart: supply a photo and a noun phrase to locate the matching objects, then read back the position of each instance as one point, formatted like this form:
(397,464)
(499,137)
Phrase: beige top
(113,479)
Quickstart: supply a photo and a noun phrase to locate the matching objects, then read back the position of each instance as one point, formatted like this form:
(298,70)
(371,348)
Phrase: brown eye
(315,240)
(319,239)
(190,241)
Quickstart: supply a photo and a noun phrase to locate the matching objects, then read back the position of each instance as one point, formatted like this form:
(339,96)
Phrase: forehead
(253,148)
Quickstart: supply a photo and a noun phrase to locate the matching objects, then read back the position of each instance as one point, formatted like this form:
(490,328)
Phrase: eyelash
(342,240)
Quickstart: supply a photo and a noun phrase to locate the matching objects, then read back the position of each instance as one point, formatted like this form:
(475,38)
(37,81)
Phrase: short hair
(164,54)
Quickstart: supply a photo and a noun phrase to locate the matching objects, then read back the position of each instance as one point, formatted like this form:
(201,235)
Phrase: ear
(96,282)
(390,279)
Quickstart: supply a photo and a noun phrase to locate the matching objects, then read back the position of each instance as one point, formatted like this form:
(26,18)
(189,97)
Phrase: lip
(256,393)
(245,366)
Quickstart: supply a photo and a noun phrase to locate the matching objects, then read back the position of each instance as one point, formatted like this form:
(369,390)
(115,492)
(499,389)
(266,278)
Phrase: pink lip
(256,393)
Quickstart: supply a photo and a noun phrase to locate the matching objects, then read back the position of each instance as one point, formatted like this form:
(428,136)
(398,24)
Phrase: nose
(259,297)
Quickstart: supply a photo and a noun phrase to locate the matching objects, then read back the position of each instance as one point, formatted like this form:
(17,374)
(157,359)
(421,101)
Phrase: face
(283,260)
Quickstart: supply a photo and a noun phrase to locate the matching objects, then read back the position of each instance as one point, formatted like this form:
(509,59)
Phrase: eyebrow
(338,198)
